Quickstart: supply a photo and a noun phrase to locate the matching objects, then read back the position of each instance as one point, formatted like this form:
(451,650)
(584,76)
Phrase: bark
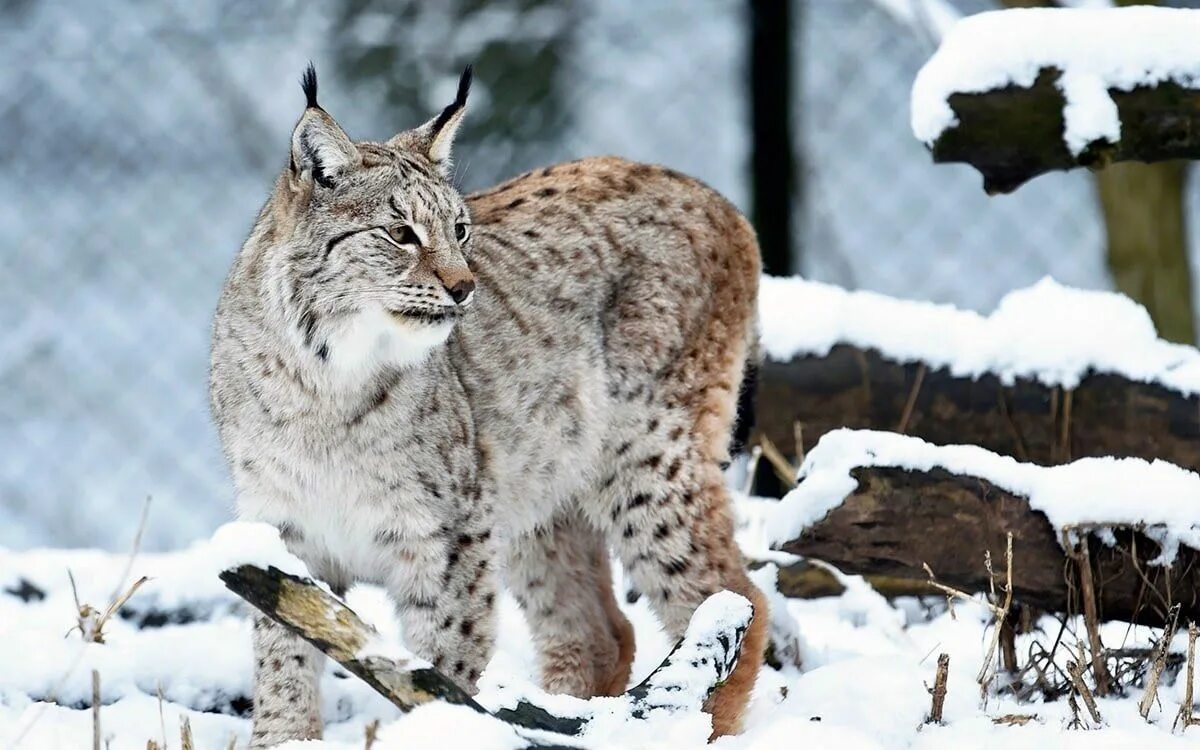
(803,580)
(1147,241)
(321,619)
(1013,134)
(1105,415)
(897,521)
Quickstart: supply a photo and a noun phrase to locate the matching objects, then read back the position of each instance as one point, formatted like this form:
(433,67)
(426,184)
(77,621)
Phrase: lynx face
(376,266)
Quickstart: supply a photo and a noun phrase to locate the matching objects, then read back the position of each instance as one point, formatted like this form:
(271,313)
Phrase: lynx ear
(320,148)
(435,138)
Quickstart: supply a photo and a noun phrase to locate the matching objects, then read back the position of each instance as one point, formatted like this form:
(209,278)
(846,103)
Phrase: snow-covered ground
(866,664)
(1095,50)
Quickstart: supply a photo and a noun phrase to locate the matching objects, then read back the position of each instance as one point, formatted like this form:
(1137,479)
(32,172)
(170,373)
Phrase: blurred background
(138,141)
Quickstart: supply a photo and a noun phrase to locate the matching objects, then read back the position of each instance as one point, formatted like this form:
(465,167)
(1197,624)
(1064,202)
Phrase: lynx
(438,393)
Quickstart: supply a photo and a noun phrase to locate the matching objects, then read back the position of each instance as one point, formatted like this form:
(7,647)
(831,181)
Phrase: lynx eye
(403,234)
(461,231)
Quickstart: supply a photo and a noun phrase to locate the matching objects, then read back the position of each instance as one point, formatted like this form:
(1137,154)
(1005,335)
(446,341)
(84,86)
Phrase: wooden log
(698,664)
(804,580)
(897,521)
(850,387)
(1015,133)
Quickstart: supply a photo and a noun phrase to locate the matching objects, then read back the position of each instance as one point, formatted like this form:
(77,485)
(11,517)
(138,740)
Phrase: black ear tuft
(460,100)
(308,82)
(464,86)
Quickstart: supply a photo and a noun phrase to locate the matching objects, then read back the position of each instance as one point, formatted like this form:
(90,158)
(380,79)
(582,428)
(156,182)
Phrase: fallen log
(1107,414)
(804,580)
(698,664)
(897,521)
(1015,133)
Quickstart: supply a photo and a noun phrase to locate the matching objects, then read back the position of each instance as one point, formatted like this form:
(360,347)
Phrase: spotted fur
(404,433)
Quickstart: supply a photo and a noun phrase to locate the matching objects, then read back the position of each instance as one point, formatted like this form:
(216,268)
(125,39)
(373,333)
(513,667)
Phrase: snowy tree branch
(1013,134)
(697,665)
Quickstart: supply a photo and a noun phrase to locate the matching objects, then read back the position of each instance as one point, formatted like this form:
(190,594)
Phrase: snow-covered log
(885,504)
(698,664)
(1051,375)
(1018,93)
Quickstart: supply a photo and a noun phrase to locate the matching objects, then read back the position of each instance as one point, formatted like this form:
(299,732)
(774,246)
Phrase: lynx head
(374,267)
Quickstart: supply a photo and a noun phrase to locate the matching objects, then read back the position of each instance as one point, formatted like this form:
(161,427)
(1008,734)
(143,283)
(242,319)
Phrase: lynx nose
(461,291)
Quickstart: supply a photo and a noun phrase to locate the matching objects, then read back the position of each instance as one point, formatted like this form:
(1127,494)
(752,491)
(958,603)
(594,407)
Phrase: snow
(866,662)
(1096,49)
(1101,492)
(1046,332)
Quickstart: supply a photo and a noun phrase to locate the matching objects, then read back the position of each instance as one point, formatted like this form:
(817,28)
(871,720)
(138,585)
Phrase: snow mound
(1047,332)
(1089,492)
(1096,50)
(859,651)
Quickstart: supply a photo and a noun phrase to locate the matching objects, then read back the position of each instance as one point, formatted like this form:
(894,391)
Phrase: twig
(371,734)
(1159,664)
(783,469)
(911,403)
(95,709)
(1184,718)
(939,689)
(1091,618)
(1075,670)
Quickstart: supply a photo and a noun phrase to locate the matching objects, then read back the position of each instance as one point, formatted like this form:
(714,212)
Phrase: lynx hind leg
(672,526)
(286,673)
(562,578)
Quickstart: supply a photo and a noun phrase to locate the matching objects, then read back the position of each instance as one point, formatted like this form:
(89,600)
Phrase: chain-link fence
(137,142)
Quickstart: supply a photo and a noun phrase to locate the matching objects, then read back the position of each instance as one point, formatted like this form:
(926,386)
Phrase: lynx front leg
(286,672)
(287,669)
(445,591)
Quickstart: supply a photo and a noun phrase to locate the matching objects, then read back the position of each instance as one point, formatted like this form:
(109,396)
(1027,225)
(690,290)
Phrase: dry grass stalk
(939,690)
(186,741)
(999,611)
(752,469)
(371,732)
(91,621)
(1159,663)
(95,710)
(783,468)
(953,593)
(911,403)
(1184,718)
(162,721)
(1091,618)
(798,439)
(987,670)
